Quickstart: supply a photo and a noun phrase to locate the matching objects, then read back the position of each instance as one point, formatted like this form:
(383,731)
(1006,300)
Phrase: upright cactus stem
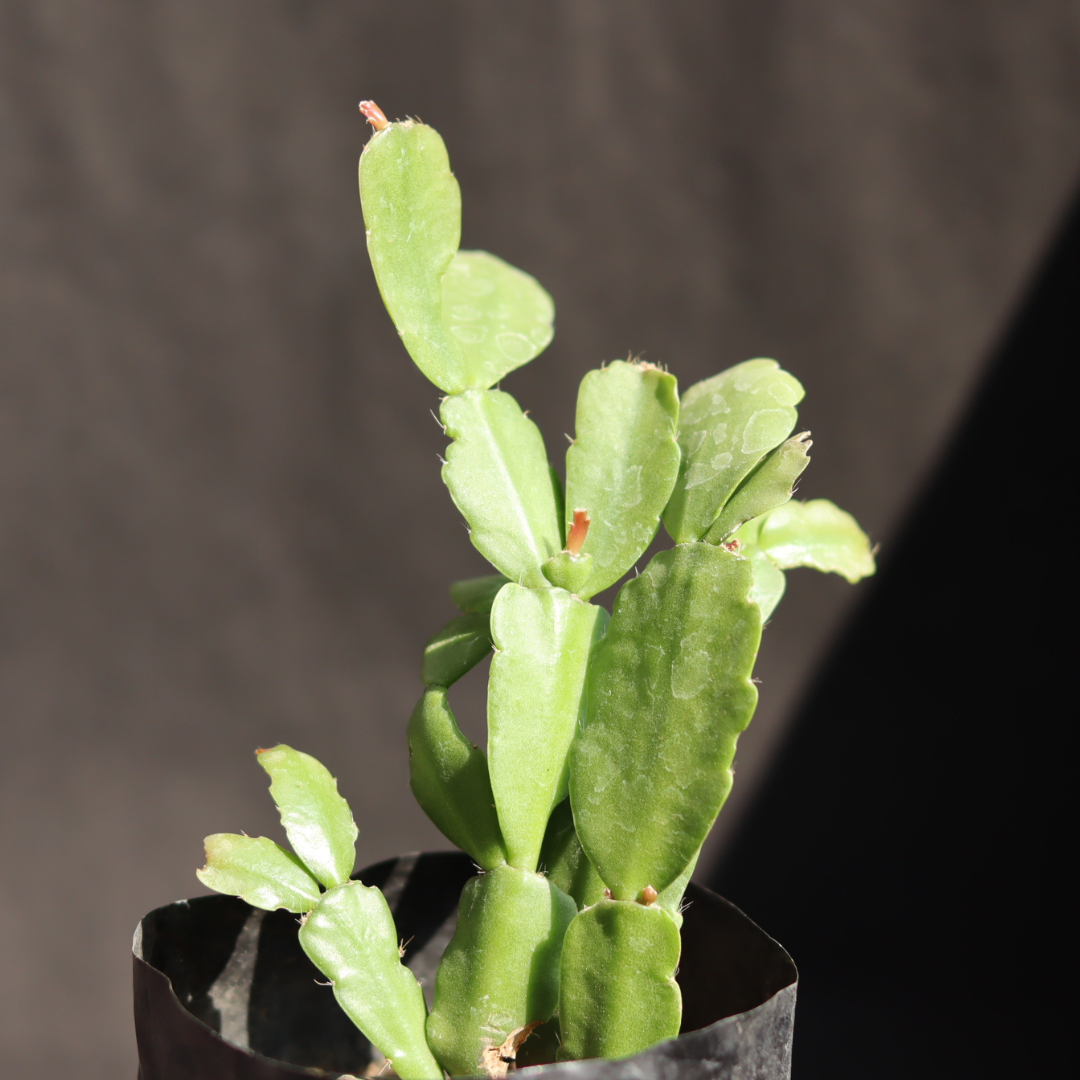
(610,738)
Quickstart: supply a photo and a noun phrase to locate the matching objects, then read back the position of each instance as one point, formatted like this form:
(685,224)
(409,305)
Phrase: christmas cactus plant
(610,738)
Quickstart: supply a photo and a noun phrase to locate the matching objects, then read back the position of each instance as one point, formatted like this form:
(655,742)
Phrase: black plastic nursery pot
(223,991)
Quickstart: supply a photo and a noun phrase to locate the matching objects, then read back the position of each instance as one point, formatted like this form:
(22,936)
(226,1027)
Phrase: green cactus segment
(767,487)
(351,938)
(466,317)
(817,534)
(618,994)
(769,580)
(498,475)
(317,819)
(449,777)
(258,871)
(499,317)
(542,642)
(412,210)
(623,464)
(501,969)
(669,691)
(474,596)
(726,425)
(455,650)
(565,863)
(672,897)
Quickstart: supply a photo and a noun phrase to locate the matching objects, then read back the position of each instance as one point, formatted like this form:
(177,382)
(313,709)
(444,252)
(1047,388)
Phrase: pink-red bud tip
(374,115)
(578,531)
(648,896)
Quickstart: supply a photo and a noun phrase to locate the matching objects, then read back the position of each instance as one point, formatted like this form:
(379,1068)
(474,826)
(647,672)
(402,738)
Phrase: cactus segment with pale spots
(610,741)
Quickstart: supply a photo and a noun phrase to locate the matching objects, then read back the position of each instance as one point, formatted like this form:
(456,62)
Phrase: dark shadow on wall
(908,845)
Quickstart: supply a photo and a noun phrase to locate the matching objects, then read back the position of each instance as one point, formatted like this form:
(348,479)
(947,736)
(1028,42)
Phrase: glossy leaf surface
(618,994)
(258,871)
(317,819)
(817,534)
(449,777)
(542,642)
(498,475)
(412,211)
(622,465)
(455,650)
(501,969)
(474,596)
(669,691)
(351,938)
(768,486)
(498,316)
(727,424)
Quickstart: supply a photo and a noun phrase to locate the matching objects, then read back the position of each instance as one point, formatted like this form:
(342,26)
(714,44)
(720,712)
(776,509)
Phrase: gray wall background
(221,522)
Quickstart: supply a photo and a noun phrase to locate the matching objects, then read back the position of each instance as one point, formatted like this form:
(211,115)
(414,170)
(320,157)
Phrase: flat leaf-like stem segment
(618,994)
(350,937)
(543,638)
(412,210)
(817,534)
(467,318)
(499,316)
(669,691)
(449,777)
(501,969)
(726,426)
(564,860)
(455,650)
(622,465)
(317,819)
(258,871)
(498,475)
(768,486)
(769,579)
